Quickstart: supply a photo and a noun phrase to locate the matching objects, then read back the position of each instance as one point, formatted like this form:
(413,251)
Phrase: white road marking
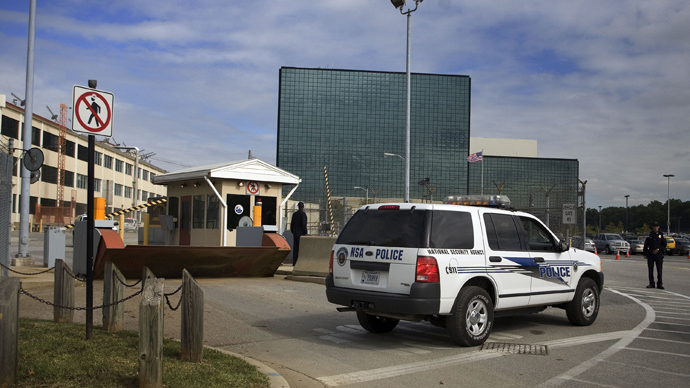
(664,340)
(657,352)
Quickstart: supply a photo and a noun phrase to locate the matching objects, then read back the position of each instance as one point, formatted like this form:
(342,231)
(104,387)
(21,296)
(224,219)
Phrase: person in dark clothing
(298,227)
(653,251)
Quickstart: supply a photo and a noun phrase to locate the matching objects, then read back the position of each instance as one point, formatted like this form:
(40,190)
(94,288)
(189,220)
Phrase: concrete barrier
(314,254)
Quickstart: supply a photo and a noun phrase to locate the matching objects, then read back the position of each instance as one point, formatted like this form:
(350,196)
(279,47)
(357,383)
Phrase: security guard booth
(209,203)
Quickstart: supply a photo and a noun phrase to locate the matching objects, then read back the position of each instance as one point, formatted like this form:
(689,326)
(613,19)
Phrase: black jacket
(298,225)
(655,240)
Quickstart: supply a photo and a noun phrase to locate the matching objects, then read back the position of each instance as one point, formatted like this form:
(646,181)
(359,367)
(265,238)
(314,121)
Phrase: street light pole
(668,201)
(366,189)
(626,213)
(399,4)
(599,219)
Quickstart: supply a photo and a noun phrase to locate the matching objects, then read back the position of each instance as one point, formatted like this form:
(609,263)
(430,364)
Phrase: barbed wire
(167,299)
(26,273)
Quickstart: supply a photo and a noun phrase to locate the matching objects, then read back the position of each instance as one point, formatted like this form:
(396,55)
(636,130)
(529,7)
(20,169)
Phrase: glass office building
(526,182)
(345,120)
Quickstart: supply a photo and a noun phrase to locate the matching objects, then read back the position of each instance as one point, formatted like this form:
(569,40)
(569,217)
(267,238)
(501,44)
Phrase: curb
(274,378)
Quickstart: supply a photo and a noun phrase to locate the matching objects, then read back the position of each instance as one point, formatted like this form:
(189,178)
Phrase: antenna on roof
(250,154)
(53,117)
(21,102)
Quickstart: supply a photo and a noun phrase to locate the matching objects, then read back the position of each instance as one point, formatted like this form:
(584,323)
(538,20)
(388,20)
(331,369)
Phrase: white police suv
(456,265)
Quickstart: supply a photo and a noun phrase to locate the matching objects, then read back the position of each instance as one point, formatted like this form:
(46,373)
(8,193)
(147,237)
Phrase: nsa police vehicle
(457,265)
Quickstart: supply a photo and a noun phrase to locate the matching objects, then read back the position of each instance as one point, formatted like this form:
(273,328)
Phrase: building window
(49,174)
(69,179)
(96,185)
(145,175)
(198,212)
(83,153)
(118,190)
(35,136)
(151,177)
(10,127)
(128,192)
(144,196)
(51,142)
(212,212)
(97,158)
(82,181)
(118,165)
(69,148)
(128,168)
(108,161)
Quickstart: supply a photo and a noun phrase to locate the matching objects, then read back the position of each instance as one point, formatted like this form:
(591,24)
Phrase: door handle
(495,259)
(538,259)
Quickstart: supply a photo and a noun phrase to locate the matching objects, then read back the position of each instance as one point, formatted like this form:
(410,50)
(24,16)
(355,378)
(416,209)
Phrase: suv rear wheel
(473,317)
(376,324)
(584,308)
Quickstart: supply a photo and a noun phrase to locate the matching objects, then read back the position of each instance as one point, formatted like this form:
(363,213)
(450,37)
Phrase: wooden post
(63,292)
(113,291)
(146,274)
(9,329)
(151,334)
(192,336)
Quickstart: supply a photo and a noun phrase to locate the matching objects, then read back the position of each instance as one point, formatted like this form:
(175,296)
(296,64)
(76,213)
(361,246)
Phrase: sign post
(92,114)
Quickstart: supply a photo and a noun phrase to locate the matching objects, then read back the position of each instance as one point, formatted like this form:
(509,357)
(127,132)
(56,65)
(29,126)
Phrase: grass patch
(58,355)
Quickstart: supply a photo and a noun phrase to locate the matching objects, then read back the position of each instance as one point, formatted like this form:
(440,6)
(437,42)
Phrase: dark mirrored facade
(526,182)
(347,119)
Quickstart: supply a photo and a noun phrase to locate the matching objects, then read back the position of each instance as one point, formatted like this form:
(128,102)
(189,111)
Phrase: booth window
(212,212)
(198,210)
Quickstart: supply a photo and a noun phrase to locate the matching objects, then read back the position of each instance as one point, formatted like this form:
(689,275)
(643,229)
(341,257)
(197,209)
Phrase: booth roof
(245,170)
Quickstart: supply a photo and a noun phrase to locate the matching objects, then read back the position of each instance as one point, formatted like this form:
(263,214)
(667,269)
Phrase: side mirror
(562,246)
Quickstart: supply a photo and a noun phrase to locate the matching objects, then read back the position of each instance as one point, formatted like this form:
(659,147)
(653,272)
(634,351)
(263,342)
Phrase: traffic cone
(627,253)
(618,255)
(595,252)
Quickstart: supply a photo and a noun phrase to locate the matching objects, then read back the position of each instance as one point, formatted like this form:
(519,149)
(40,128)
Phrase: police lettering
(554,272)
(357,252)
(389,254)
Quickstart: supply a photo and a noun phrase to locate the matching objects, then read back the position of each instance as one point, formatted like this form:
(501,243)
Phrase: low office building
(115,177)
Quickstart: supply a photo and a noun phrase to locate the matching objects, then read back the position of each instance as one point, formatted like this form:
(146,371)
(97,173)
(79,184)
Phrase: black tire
(670,253)
(584,308)
(608,250)
(376,324)
(472,318)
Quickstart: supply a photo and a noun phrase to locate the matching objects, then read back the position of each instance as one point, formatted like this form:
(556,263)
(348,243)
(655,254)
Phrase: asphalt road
(640,339)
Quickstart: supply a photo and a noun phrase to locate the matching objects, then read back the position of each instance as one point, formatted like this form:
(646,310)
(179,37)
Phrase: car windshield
(614,237)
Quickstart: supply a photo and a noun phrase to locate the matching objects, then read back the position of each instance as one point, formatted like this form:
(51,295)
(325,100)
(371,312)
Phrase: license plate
(370,278)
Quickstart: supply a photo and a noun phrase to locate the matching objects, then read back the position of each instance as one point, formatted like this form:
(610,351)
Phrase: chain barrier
(167,299)
(123,282)
(25,292)
(73,276)
(26,273)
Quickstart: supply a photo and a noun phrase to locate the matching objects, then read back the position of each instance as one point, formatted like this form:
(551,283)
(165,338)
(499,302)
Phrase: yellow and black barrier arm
(131,209)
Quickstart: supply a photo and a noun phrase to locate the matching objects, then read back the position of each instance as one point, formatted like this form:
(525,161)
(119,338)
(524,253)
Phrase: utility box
(53,245)
(79,243)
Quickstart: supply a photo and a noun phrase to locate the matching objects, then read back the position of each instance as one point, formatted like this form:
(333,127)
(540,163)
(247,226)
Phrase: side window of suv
(538,238)
(451,230)
(501,232)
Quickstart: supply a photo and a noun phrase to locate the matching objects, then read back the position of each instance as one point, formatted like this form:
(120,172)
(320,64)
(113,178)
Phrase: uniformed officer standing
(654,246)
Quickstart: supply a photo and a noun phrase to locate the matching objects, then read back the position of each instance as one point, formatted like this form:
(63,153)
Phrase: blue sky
(607,83)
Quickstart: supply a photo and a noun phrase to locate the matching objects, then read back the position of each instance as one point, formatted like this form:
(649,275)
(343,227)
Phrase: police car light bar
(478,200)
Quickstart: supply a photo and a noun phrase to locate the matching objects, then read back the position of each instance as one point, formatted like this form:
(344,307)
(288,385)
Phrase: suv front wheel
(473,317)
(584,308)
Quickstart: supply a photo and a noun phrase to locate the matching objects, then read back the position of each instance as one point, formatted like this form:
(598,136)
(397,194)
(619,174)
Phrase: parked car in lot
(577,243)
(636,245)
(682,245)
(611,243)
(131,225)
(670,245)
